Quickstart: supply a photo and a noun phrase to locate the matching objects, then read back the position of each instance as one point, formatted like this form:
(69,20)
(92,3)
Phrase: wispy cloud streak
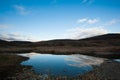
(87,1)
(87,21)
(21,10)
(15,37)
(113,21)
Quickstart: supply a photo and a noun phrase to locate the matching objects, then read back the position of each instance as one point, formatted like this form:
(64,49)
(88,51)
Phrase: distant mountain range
(102,45)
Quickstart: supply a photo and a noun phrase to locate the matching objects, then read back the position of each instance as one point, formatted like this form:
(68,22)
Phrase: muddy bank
(109,70)
(10,65)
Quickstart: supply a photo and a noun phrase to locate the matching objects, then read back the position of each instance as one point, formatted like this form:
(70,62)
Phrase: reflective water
(69,65)
(118,60)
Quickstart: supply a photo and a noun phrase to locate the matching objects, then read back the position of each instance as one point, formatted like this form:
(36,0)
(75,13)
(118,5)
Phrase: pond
(62,65)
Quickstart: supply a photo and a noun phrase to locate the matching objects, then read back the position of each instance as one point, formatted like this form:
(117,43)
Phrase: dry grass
(107,71)
(108,52)
(9,65)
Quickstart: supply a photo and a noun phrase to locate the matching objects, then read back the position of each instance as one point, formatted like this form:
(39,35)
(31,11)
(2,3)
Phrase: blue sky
(37,20)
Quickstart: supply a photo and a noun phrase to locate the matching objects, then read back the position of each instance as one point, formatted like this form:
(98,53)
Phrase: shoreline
(25,72)
(10,65)
(108,70)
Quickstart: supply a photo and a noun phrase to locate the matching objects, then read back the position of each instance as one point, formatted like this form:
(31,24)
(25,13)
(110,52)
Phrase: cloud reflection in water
(32,54)
(81,60)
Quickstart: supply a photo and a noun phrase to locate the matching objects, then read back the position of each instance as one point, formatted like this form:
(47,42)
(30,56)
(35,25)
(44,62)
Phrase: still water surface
(69,65)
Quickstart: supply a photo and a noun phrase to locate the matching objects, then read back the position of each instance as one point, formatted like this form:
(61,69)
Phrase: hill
(102,40)
(104,37)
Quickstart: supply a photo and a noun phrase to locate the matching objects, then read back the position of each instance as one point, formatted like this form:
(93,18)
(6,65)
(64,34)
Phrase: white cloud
(87,21)
(89,28)
(22,10)
(79,33)
(82,20)
(15,37)
(92,21)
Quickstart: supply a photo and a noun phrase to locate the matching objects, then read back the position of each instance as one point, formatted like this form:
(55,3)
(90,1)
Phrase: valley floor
(106,52)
